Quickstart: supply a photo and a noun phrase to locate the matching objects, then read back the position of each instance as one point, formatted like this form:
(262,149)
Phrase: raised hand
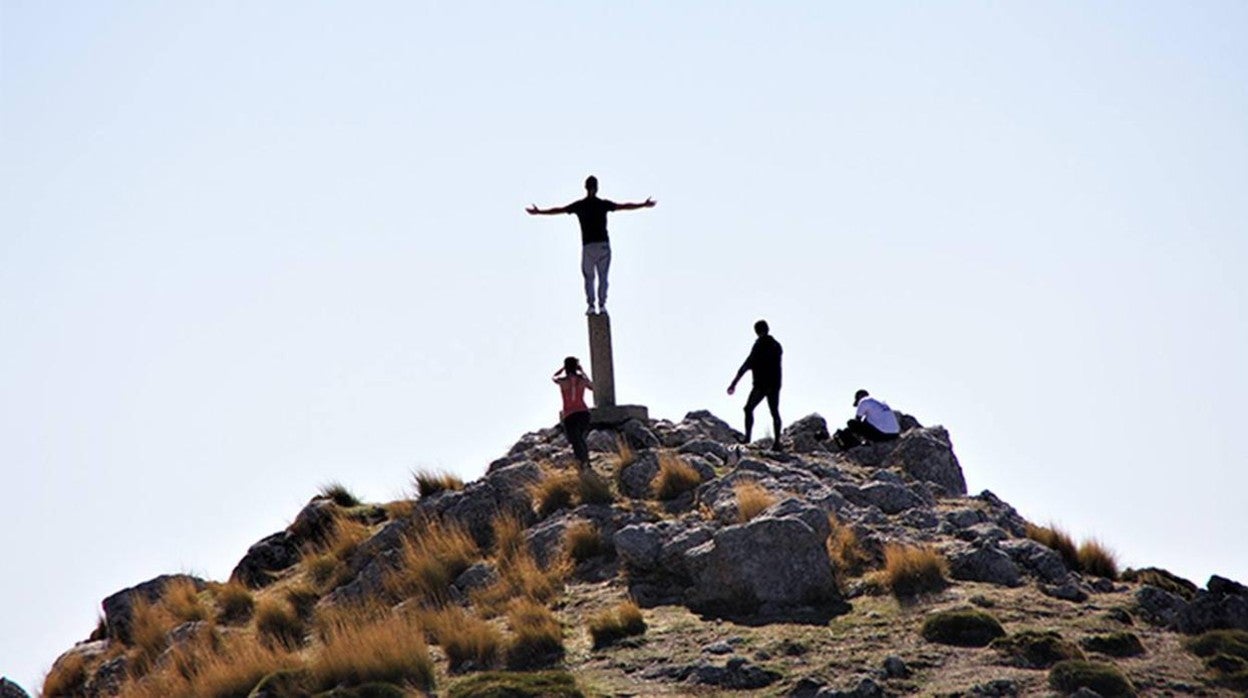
(648,203)
(533,210)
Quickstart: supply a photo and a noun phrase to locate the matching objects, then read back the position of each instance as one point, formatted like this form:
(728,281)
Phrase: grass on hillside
(362,650)
(431,482)
(234,603)
(429,561)
(674,478)
(508,533)
(1058,540)
(210,671)
(278,623)
(582,541)
(520,576)
(752,499)
(150,624)
(614,624)
(556,490)
(844,550)
(910,571)
(339,494)
(537,637)
(624,453)
(67,676)
(469,642)
(1097,560)
(513,684)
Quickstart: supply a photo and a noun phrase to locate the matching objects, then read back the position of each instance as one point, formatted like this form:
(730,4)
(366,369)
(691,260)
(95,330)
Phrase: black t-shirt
(764,362)
(592,213)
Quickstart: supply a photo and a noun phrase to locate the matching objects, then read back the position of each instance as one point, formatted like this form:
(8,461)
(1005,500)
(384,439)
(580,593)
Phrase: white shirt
(879,415)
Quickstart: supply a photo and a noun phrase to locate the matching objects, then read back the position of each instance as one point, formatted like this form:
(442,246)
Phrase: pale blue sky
(249,248)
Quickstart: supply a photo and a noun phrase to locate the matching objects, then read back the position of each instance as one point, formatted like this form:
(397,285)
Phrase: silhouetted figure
(596,248)
(574,416)
(764,363)
(875,422)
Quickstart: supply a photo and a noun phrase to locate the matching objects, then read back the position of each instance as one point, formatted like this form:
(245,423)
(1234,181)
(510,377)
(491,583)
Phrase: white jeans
(596,256)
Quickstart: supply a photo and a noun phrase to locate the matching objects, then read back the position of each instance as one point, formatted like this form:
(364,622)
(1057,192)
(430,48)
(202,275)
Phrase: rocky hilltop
(682,563)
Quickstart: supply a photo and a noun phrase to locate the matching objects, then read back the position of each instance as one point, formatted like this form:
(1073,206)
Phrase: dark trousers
(865,431)
(773,403)
(575,428)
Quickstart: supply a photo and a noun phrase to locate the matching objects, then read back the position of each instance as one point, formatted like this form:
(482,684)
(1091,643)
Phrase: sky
(248,249)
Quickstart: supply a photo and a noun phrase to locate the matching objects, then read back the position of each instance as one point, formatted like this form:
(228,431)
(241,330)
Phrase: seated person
(874,423)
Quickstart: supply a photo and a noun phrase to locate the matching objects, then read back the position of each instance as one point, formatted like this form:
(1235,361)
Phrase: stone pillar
(602,373)
(601,367)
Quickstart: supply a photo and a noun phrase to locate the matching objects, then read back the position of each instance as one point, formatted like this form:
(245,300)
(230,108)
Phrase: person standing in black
(764,362)
(591,212)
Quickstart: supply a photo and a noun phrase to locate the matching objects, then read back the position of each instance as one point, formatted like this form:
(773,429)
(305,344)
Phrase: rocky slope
(757,572)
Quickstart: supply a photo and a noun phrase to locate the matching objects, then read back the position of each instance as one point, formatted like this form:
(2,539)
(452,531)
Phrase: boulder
(711,427)
(706,447)
(639,435)
(368,583)
(737,674)
(119,608)
(1224,606)
(1037,559)
(504,491)
(1068,590)
(638,545)
(635,478)
(983,563)
(776,562)
(477,576)
(602,441)
(927,454)
(108,677)
(1158,606)
(314,521)
(808,434)
(888,497)
(8,689)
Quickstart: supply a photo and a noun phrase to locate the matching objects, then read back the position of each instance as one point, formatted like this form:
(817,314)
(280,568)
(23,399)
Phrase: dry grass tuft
(624,453)
(399,509)
(675,477)
(430,560)
(359,649)
(508,536)
(1097,560)
(431,482)
(66,678)
(537,637)
(183,601)
(232,669)
(844,550)
(469,642)
(752,499)
(340,495)
(234,603)
(555,491)
(582,541)
(323,569)
(1058,540)
(909,571)
(521,577)
(278,623)
(150,624)
(615,624)
(592,489)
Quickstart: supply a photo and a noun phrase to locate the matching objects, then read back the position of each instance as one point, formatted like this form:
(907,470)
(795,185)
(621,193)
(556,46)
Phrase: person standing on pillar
(591,212)
(574,416)
(764,363)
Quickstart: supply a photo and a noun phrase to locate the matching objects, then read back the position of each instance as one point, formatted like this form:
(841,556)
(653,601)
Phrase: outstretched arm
(535,211)
(648,203)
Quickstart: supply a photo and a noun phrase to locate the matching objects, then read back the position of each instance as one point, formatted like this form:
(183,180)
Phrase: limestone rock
(706,447)
(1037,559)
(638,545)
(1158,606)
(1223,606)
(119,607)
(270,554)
(737,673)
(927,454)
(503,491)
(712,427)
(635,478)
(8,689)
(638,435)
(778,562)
(984,563)
(808,434)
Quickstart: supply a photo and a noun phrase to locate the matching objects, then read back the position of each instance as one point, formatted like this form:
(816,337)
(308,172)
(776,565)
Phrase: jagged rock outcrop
(9,689)
(119,607)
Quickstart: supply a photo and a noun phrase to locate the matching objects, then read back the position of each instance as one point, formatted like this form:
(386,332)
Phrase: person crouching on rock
(874,423)
(575,413)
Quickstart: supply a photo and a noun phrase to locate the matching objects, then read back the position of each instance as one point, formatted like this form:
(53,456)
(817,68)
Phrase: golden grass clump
(675,477)
(339,494)
(362,649)
(615,624)
(909,571)
(844,550)
(537,637)
(520,576)
(323,569)
(752,499)
(231,669)
(1097,560)
(430,560)
(278,623)
(593,489)
(624,453)
(555,491)
(234,603)
(150,624)
(582,541)
(469,642)
(66,677)
(184,603)
(508,536)
(399,509)
(431,482)
(1058,540)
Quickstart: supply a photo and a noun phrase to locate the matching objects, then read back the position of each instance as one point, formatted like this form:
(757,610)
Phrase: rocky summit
(680,563)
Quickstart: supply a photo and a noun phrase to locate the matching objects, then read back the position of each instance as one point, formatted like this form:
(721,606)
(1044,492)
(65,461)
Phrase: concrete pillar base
(615,415)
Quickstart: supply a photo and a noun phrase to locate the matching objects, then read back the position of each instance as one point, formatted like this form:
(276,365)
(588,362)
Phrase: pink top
(573,390)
